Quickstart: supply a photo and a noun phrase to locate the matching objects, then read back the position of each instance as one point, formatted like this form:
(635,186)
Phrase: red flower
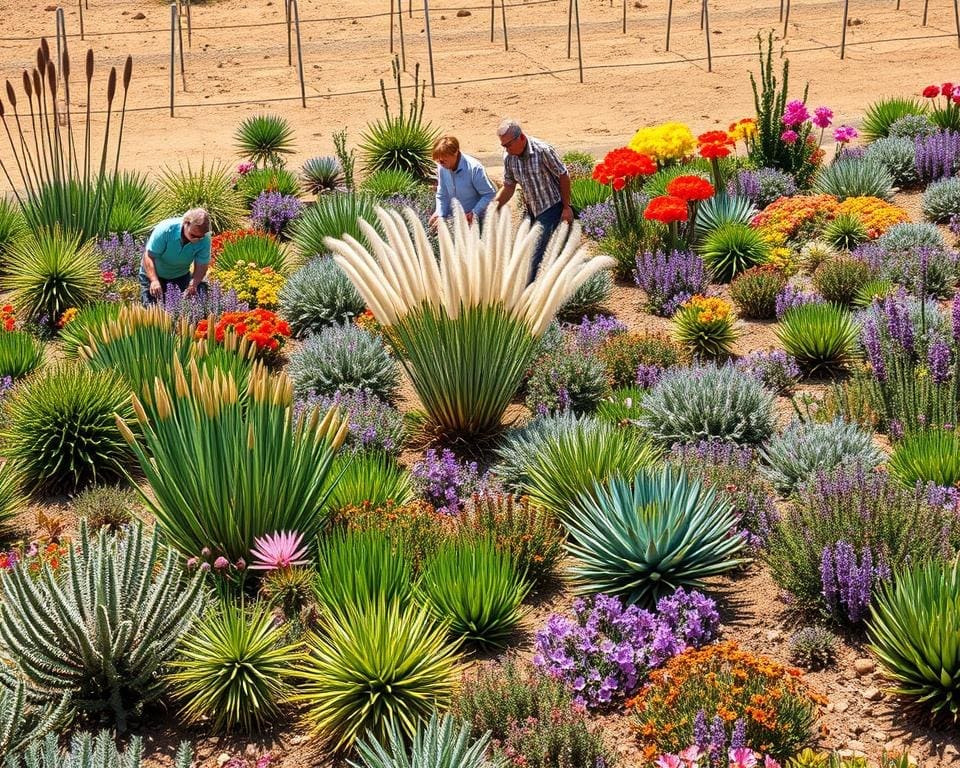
(9,324)
(931,92)
(690,188)
(7,309)
(621,165)
(711,151)
(946,89)
(715,137)
(956,98)
(666,209)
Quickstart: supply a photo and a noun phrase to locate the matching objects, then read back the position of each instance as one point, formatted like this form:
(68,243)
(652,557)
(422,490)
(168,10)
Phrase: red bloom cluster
(948,90)
(666,209)
(261,326)
(621,165)
(714,144)
(690,188)
(8,318)
(931,92)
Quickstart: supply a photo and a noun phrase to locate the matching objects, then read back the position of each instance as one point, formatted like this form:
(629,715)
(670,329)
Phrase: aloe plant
(90,752)
(23,719)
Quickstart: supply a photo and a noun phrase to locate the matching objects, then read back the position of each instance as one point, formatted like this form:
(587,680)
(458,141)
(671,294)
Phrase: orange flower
(690,188)
(666,209)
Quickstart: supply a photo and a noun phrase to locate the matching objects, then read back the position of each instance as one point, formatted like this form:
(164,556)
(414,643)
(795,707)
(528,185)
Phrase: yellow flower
(664,142)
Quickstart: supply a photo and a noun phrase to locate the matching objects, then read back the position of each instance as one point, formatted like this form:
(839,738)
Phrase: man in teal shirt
(174,246)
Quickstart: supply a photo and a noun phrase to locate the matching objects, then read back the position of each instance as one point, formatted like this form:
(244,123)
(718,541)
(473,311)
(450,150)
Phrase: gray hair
(197,217)
(509,126)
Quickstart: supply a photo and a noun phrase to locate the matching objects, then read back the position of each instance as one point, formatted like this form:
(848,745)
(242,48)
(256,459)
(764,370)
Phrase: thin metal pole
(624,16)
(183,73)
(570,29)
(289,19)
(493,6)
(173,50)
(503,17)
(781,9)
(898,5)
(61,30)
(786,19)
(843,34)
(576,10)
(392,3)
(403,45)
(410,8)
(426,18)
(189,26)
(296,20)
(706,22)
(926,3)
(956,20)
(701,15)
(81,19)
(669,21)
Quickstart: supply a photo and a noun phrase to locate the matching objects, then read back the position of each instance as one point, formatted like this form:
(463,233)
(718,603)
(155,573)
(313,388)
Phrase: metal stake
(569,28)
(189,26)
(624,16)
(391,25)
(173,50)
(503,17)
(576,9)
(786,19)
(956,20)
(926,3)
(289,19)
(843,34)
(81,19)
(706,22)
(426,17)
(492,15)
(183,74)
(296,20)
(669,21)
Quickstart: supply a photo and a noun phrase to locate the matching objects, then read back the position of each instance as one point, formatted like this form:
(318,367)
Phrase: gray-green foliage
(22,719)
(808,447)
(897,155)
(855,177)
(344,358)
(708,403)
(441,743)
(102,626)
(719,210)
(911,126)
(89,752)
(317,295)
(588,298)
(942,200)
(912,235)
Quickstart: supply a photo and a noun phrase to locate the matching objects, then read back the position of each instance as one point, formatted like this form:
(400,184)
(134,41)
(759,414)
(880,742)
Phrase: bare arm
(199,272)
(156,290)
(507,190)
(567,214)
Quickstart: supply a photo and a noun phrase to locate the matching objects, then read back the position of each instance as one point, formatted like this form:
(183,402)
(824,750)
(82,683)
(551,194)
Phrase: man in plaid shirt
(535,166)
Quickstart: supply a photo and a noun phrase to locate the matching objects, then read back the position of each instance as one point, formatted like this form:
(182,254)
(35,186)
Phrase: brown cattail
(43,55)
(1,109)
(11,95)
(27,87)
(127,72)
(37,84)
(52,80)
(89,65)
(112,85)
(65,64)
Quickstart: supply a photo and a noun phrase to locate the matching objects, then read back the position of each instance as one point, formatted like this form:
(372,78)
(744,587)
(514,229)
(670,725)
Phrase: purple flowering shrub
(793,296)
(213,301)
(119,259)
(773,368)
(445,481)
(762,186)
(598,221)
(937,156)
(712,747)
(669,280)
(373,424)
(273,211)
(566,379)
(927,269)
(604,652)
(848,581)
(592,333)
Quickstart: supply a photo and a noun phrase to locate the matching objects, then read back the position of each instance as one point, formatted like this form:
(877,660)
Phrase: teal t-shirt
(171,256)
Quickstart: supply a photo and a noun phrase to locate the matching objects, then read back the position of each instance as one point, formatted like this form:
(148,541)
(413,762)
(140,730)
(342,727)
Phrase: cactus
(89,752)
(22,719)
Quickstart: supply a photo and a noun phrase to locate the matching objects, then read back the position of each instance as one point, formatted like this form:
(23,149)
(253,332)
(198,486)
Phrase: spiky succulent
(264,139)
(90,752)
(258,248)
(588,299)
(845,232)
(322,174)
(855,177)
(883,113)
(822,337)
(318,295)
(335,215)
(731,248)
(20,353)
(720,210)
(646,535)
(208,187)
(23,720)
(387,182)
(399,143)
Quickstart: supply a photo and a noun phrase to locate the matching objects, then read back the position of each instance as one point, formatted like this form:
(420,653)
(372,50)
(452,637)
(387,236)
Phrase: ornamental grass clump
(732,248)
(468,324)
(705,326)
(20,353)
(368,477)
(755,291)
(223,471)
(820,337)
(333,215)
(927,456)
(838,279)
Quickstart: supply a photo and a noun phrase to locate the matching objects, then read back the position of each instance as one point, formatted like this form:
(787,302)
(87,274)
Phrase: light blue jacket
(468,184)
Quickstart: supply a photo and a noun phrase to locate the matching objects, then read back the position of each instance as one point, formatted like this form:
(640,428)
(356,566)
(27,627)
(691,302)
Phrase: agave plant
(23,720)
(136,202)
(387,182)
(442,743)
(927,456)
(720,210)
(880,115)
(373,668)
(369,477)
(258,248)
(915,634)
(88,752)
(259,180)
(144,603)
(20,353)
(846,232)
(731,248)
(264,139)
(855,178)
(232,669)
(334,215)
(322,174)
(468,325)
(210,188)
(822,337)
(648,535)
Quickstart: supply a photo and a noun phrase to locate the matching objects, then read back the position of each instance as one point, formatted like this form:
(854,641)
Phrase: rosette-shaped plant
(465,326)
(646,536)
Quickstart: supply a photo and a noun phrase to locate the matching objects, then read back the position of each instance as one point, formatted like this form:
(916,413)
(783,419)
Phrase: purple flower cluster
(712,743)
(937,156)
(273,211)
(445,481)
(938,359)
(373,424)
(604,652)
(775,369)
(119,257)
(792,297)
(6,384)
(848,582)
(649,375)
(598,221)
(591,334)
(762,186)
(214,301)
(745,183)
(923,269)
(669,280)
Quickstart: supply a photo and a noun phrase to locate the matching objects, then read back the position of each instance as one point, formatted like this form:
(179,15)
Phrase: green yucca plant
(210,188)
(914,633)
(360,568)
(212,460)
(586,192)
(373,478)
(854,177)
(720,210)
(143,602)
(264,139)
(644,536)
(387,182)
(76,333)
(51,272)
(846,232)
(474,588)
(333,215)
(875,288)
(23,720)
(11,498)
(88,752)
(12,227)
(881,114)
(321,175)
(442,743)
(731,248)
(232,669)
(588,299)
(372,668)
(60,428)
(822,337)
(259,248)
(20,353)
(927,456)
(261,180)
(135,205)
(706,327)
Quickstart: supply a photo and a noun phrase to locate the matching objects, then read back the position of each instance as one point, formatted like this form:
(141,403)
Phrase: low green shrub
(755,291)
(821,337)
(838,280)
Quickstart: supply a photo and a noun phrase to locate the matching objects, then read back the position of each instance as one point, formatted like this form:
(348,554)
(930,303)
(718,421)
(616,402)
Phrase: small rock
(853,747)
(841,706)
(878,736)
(124,13)
(299,739)
(222,758)
(463,13)
(867,711)
(950,752)
(872,694)
(639,5)
(715,32)
(50,8)
(891,746)
(854,22)
(773,634)
(864,666)
(139,16)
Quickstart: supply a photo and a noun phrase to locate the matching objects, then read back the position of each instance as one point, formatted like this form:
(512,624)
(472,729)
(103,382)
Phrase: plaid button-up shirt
(537,171)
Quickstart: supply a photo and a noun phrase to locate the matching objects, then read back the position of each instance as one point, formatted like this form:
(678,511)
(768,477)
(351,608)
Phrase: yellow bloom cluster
(664,142)
(258,286)
(709,309)
(743,130)
(784,259)
(877,215)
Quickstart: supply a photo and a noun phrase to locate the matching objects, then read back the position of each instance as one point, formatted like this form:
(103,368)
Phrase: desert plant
(773,368)
(264,139)
(807,447)
(76,333)
(854,177)
(258,248)
(873,290)
(579,164)
(373,424)
(755,291)
(372,668)
(255,182)
(845,232)
(927,456)
(232,669)
(821,337)
(321,175)
(585,192)
(12,228)
(731,248)
(107,506)
(209,460)
(344,358)
(720,210)
(646,535)
(20,353)
(897,155)
(210,188)
(50,272)
(914,635)
(708,403)
(623,354)
(144,602)
(61,429)
(441,743)
(883,113)
(11,498)
(589,298)
(568,378)
(705,327)
(23,720)
(911,127)
(368,477)
(475,590)
(941,200)
(937,156)
(334,215)
(813,648)
(317,295)
(387,182)
(89,752)
(669,279)
(135,204)
(838,279)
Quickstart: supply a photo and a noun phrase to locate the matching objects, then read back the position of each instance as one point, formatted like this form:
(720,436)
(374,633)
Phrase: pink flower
(822,117)
(108,277)
(667,761)
(204,566)
(245,167)
(795,113)
(789,136)
(192,562)
(845,133)
(205,551)
(278,550)
(769,762)
(742,757)
(220,563)
(690,756)
(240,564)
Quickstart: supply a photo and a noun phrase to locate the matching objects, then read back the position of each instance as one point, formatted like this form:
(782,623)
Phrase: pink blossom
(822,117)
(278,550)
(241,564)
(220,563)
(245,167)
(795,113)
(667,761)
(845,133)
(691,756)
(769,762)
(742,757)
(789,136)
(192,562)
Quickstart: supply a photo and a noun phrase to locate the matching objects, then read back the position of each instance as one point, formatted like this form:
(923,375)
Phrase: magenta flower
(789,136)
(742,757)
(192,562)
(278,550)
(245,167)
(795,113)
(220,563)
(822,117)
(668,761)
(845,133)
(690,755)
(769,762)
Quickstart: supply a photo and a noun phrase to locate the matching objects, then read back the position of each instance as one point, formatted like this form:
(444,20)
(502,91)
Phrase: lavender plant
(566,379)
(915,256)
(119,256)
(762,186)
(445,481)
(591,334)
(214,301)
(598,221)
(937,156)
(848,581)
(793,296)
(669,280)
(273,212)
(773,368)
(373,424)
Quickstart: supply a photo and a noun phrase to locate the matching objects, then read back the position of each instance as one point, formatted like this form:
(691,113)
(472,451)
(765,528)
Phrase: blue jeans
(181,282)
(548,220)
